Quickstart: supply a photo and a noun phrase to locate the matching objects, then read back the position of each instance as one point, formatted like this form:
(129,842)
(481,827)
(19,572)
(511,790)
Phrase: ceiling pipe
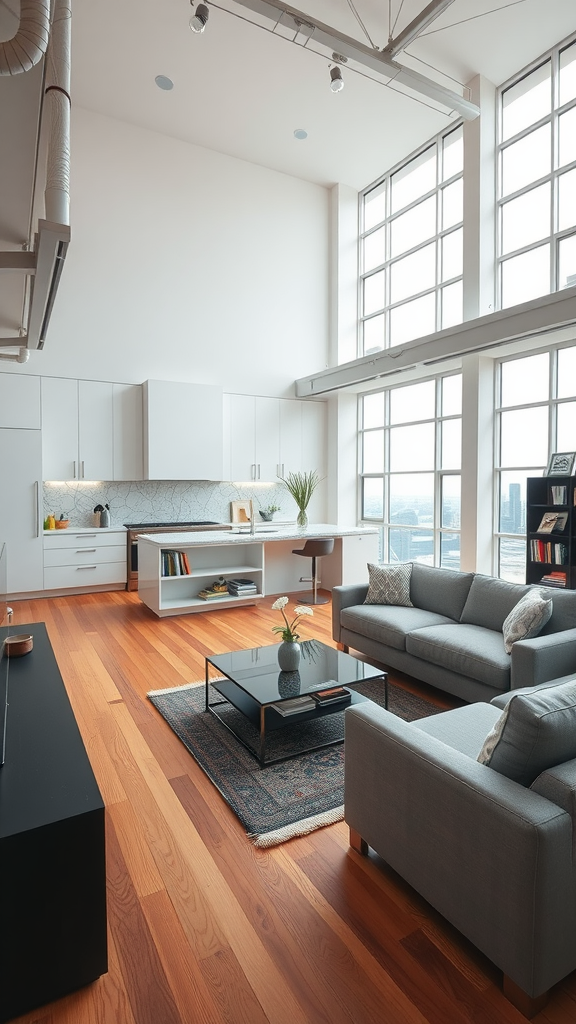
(416,27)
(28,46)
(57,107)
(22,356)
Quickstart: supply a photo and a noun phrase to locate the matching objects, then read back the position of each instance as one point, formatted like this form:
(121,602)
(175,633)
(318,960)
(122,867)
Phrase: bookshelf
(551,531)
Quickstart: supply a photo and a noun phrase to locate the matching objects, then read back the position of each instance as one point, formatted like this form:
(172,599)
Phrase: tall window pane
(373,410)
(452,204)
(420,267)
(451,444)
(413,320)
(526,276)
(567,200)
(374,206)
(513,502)
(567,137)
(568,74)
(373,498)
(526,102)
(452,255)
(567,427)
(452,395)
(374,249)
(526,160)
(451,501)
(412,448)
(414,402)
(414,180)
(373,461)
(374,334)
(526,219)
(567,262)
(525,380)
(413,227)
(566,372)
(374,292)
(452,304)
(452,153)
(524,437)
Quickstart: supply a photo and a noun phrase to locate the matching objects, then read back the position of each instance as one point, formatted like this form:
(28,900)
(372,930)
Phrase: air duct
(29,45)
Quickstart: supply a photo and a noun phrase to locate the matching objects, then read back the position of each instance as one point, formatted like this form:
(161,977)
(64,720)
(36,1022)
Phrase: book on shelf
(554,579)
(548,522)
(294,705)
(335,695)
(175,563)
(209,595)
(547,551)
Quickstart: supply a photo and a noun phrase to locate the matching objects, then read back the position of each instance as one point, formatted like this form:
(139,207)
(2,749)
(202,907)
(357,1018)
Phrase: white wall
(186,264)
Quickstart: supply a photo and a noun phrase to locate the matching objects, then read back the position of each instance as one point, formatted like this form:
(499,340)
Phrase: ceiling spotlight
(199,20)
(336,80)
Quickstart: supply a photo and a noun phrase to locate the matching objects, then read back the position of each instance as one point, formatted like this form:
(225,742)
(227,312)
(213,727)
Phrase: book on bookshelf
(548,522)
(558,494)
(210,595)
(554,579)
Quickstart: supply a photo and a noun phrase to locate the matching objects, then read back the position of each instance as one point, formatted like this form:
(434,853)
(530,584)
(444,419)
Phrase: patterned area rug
(282,800)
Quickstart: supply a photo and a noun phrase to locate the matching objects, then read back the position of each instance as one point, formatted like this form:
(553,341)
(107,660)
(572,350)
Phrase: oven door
(132,555)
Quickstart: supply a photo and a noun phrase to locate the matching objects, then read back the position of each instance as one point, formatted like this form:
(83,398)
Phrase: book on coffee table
(334,695)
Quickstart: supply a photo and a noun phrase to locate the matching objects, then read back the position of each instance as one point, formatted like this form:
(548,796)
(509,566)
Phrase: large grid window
(411,254)
(536,210)
(536,415)
(410,458)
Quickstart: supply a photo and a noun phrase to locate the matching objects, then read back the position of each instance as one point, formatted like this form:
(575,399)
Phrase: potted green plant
(301,485)
(267,513)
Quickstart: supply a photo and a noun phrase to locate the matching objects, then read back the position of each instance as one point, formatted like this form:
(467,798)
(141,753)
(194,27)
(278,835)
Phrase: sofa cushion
(534,732)
(490,600)
(389,584)
(563,613)
(527,618)
(439,590)
(465,649)
(388,623)
(462,729)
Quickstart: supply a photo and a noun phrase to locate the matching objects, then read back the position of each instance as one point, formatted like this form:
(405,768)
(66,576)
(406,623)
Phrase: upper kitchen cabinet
(128,432)
(183,431)
(19,401)
(270,437)
(77,429)
(253,436)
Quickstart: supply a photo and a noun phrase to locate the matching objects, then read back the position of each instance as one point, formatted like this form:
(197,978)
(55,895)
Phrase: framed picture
(240,511)
(561,464)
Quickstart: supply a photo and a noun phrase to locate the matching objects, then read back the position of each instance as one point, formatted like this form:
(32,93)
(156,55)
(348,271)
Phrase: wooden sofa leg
(343,647)
(357,843)
(523,1002)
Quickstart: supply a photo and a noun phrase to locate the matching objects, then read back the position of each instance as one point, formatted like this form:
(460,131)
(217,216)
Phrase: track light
(336,80)
(199,20)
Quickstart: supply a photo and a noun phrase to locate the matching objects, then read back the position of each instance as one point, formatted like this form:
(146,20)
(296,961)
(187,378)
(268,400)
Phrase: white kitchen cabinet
(84,559)
(20,508)
(253,437)
(128,431)
(302,437)
(183,432)
(77,429)
(19,401)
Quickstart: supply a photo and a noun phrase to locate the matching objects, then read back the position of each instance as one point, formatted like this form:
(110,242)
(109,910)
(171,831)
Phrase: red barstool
(314,549)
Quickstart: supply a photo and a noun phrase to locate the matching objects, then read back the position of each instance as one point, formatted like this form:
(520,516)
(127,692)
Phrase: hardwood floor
(204,927)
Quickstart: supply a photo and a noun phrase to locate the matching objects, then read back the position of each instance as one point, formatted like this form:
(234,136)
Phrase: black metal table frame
(260,754)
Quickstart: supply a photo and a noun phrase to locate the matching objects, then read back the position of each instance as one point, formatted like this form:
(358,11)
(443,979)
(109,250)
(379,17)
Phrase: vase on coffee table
(289,656)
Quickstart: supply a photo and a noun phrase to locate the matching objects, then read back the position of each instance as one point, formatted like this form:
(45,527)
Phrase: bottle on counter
(105,516)
(51,522)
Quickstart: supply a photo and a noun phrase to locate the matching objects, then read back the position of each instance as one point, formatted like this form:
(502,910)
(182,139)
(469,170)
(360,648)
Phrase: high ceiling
(243,91)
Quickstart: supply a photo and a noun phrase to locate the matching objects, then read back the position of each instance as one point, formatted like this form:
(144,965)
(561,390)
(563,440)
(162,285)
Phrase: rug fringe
(175,689)
(298,828)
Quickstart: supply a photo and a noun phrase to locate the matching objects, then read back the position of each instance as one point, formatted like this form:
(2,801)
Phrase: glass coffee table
(257,688)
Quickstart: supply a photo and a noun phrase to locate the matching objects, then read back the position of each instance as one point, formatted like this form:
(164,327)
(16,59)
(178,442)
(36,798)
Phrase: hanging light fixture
(336,80)
(199,20)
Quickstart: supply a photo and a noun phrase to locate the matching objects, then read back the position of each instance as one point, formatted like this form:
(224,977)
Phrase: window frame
(385,181)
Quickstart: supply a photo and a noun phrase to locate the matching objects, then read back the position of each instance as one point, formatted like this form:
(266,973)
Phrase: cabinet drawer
(58,577)
(95,539)
(85,555)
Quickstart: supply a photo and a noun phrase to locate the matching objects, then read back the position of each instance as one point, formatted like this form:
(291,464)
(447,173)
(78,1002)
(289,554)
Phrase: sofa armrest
(345,597)
(492,857)
(543,658)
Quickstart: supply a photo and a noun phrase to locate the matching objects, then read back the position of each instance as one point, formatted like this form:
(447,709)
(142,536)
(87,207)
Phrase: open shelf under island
(266,559)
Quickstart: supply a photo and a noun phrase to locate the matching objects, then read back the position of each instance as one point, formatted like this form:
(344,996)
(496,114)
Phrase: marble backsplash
(148,501)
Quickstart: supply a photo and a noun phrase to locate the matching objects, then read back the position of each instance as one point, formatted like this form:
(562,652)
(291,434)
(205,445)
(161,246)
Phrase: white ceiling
(243,91)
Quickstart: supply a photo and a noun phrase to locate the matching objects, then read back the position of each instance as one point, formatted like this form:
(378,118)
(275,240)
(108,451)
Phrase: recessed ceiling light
(300,133)
(164,83)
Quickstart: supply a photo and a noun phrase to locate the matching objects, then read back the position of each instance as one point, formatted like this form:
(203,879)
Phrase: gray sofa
(452,637)
(496,858)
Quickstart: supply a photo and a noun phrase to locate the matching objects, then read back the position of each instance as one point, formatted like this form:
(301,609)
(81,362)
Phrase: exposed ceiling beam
(309,33)
(417,26)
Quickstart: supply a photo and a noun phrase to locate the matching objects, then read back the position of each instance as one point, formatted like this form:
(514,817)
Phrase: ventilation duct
(43,265)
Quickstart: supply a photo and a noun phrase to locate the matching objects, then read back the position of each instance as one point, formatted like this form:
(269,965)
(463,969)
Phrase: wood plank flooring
(204,927)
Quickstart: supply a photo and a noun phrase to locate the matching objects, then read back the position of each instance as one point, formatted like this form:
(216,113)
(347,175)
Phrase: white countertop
(264,533)
(85,529)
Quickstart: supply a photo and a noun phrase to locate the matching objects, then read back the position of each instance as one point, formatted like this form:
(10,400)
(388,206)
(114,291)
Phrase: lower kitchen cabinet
(84,559)
(20,508)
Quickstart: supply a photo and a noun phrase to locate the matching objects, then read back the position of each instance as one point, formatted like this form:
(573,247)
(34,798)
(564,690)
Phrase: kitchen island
(264,556)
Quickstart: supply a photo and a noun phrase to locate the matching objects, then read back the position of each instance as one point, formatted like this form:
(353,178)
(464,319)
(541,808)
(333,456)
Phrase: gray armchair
(496,859)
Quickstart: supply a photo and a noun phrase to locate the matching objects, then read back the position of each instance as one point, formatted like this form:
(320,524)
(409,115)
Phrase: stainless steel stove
(135,529)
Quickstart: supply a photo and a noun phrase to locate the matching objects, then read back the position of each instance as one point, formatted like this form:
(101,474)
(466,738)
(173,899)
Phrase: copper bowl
(62,524)
(18,645)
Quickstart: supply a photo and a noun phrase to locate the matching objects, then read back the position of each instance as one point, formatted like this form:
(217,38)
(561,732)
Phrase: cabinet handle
(253,471)
(88,535)
(82,464)
(85,551)
(258,477)
(86,567)
(37,498)
(74,477)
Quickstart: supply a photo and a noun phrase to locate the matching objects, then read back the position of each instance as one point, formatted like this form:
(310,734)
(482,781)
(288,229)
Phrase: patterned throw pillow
(389,584)
(527,617)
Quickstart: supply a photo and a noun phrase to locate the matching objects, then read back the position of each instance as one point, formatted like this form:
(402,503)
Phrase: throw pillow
(527,617)
(389,584)
(535,731)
